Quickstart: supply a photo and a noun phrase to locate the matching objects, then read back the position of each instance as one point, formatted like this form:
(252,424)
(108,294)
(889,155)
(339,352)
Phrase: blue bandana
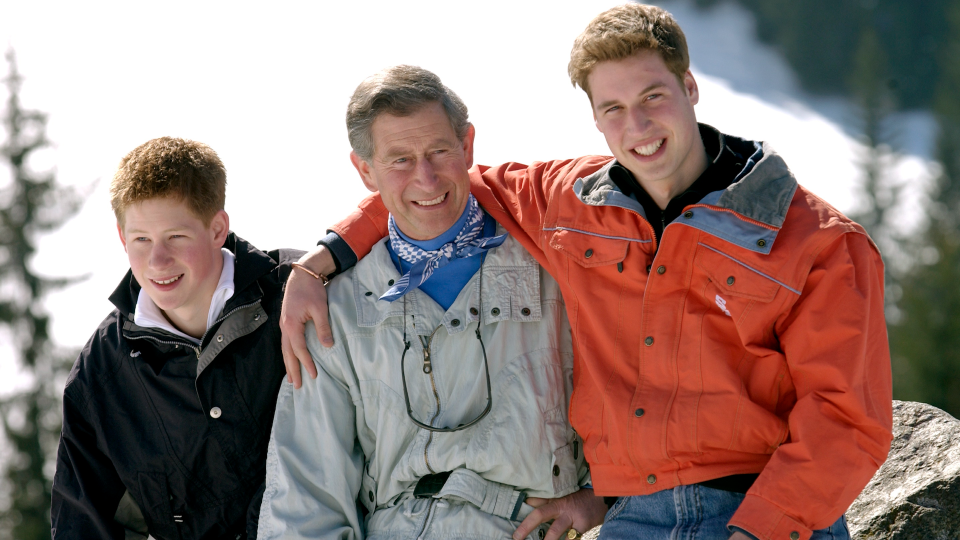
(424,263)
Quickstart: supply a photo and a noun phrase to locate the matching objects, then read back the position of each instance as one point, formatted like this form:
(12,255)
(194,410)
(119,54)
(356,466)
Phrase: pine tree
(926,342)
(30,205)
(869,86)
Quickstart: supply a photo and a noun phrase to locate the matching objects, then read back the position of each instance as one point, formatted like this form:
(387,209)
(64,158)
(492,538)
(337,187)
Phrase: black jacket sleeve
(86,486)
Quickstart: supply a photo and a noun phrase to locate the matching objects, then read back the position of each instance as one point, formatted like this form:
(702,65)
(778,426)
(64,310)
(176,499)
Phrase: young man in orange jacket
(732,372)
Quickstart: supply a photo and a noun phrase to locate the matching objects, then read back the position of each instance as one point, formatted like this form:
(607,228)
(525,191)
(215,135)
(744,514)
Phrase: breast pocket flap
(588,250)
(735,277)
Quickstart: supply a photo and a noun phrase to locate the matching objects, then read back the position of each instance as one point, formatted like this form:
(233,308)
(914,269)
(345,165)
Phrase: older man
(443,406)
(733,374)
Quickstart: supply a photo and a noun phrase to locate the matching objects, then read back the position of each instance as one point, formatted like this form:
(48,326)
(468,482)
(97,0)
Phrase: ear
(690,85)
(468,145)
(122,239)
(220,227)
(365,173)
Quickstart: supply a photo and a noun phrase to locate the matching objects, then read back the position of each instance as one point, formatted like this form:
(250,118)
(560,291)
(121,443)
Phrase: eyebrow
(610,102)
(393,153)
(165,231)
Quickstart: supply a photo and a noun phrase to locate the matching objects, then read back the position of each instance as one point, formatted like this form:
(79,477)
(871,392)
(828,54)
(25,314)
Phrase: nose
(638,122)
(160,256)
(426,174)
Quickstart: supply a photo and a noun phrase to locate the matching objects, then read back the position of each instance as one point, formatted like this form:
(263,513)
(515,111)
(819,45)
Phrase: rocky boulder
(916,493)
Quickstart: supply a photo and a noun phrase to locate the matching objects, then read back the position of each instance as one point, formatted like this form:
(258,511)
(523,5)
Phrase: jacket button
(215,412)
(495,311)
(638,413)
(525,312)
(473,311)
(652,479)
(541,534)
(368,293)
(256,317)
(730,280)
(761,242)
(455,322)
(688,214)
(556,470)
(370,495)
(390,283)
(588,254)
(220,338)
(648,341)
(661,269)
(794,535)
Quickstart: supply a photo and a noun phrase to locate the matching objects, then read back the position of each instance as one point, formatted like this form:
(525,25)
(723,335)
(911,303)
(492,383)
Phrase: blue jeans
(685,513)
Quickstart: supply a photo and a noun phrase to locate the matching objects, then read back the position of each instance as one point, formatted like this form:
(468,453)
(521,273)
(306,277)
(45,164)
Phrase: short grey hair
(401,91)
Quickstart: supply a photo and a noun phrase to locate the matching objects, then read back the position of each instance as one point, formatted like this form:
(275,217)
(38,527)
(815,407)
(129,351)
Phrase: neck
(192,319)
(434,243)
(664,190)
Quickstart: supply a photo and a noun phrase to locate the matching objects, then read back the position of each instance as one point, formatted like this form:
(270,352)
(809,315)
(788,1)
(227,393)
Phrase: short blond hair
(623,31)
(170,167)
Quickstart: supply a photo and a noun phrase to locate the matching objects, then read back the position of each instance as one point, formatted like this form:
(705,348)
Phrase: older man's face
(420,169)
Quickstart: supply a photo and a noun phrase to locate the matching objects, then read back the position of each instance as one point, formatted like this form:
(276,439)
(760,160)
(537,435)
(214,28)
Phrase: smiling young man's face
(419,166)
(175,257)
(647,117)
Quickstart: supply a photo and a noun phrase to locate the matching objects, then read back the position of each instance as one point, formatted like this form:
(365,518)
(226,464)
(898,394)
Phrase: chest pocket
(589,250)
(734,278)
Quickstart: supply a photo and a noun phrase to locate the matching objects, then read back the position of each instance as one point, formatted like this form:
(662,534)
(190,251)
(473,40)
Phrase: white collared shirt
(148,315)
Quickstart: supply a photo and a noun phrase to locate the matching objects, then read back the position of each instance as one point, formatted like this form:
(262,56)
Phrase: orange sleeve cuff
(767,521)
(365,226)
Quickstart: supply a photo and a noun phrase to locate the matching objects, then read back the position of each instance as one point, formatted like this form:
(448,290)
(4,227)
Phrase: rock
(916,493)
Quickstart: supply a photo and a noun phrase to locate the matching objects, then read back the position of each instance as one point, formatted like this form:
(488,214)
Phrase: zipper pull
(425,342)
(427,368)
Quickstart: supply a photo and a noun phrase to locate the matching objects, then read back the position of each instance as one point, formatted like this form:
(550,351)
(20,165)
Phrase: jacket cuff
(767,521)
(343,256)
(364,227)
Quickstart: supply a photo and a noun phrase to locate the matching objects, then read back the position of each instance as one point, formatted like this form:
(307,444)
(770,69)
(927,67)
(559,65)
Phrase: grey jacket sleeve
(314,461)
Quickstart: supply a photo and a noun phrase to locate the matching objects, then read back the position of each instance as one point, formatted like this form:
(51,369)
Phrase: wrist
(318,261)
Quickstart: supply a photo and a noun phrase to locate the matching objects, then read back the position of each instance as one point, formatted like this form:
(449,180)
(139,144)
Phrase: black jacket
(180,430)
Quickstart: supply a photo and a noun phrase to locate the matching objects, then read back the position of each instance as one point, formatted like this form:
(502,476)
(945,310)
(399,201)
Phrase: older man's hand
(304,299)
(581,511)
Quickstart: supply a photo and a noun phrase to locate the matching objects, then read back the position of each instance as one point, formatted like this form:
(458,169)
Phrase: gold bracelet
(315,275)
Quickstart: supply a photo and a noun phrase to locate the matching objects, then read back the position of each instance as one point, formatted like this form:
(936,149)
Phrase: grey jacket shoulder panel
(761,193)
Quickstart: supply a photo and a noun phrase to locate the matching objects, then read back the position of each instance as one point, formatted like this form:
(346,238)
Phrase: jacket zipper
(426,522)
(195,348)
(428,369)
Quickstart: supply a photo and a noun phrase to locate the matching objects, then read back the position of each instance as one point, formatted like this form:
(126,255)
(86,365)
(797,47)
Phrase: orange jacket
(752,341)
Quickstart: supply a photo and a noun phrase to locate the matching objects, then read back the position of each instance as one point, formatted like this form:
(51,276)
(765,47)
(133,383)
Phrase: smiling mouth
(432,202)
(167,281)
(649,149)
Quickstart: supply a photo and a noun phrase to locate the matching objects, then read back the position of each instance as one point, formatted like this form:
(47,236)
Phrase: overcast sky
(266,85)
